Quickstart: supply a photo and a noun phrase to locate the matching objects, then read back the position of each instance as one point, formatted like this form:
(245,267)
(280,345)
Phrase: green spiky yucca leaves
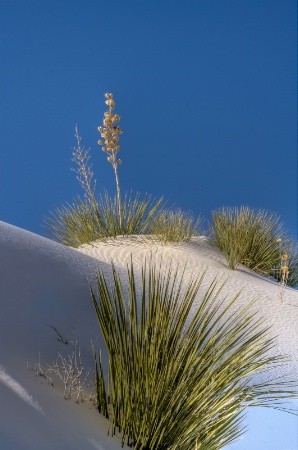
(83,222)
(75,224)
(171,227)
(247,236)
(176,382)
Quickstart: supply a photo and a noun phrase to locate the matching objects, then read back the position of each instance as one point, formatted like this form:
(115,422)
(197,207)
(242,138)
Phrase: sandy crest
(278,307)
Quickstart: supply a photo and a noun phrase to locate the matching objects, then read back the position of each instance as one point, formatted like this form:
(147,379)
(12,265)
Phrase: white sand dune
(44,285)
(279,307)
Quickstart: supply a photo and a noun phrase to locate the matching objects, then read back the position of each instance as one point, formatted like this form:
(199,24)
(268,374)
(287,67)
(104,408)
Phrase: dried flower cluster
(110,132)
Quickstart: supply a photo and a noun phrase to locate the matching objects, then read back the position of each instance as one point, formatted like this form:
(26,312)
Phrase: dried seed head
(110,132)
(107,122)
(115,118)
(117,130)
(110,103)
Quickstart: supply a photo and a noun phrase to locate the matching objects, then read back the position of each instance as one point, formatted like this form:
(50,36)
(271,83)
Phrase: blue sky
(206,90)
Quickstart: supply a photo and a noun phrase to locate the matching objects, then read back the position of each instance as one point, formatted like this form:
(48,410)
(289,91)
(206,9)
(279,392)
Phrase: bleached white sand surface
(44,285)
(279,307)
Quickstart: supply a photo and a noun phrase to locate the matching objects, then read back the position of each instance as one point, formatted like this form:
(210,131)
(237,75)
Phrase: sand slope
(279,307)
(44,283)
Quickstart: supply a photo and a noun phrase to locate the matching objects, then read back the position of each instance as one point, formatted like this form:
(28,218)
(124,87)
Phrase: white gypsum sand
(200,255)
(44,287)
(42,284)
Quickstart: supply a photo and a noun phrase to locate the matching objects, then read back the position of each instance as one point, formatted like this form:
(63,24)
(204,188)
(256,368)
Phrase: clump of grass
(83,222)
(250,237)
(170,227)
(136,214)
(74,224)
(178,382)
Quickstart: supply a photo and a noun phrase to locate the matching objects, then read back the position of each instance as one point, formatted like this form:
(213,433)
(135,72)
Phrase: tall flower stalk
(110,132)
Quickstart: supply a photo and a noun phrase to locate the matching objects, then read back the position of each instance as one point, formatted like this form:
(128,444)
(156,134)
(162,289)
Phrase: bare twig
(81,157)
(72,373)
(60,338)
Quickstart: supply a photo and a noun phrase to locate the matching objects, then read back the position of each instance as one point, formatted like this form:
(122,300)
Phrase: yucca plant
(136,215)
(174,226)
(247,236)
(177,380)
(83,221)
(75,224)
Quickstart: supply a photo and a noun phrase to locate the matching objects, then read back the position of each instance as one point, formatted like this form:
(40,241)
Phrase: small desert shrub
(69,370)
(286,271)
(84,222)
(176,382)
(174,227)
(72,373)
(250,237)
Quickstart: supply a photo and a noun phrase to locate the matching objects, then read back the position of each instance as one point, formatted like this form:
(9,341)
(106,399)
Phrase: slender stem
(115,165)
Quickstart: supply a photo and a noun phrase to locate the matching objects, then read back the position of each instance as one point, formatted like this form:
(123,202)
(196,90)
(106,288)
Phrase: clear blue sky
(206,90)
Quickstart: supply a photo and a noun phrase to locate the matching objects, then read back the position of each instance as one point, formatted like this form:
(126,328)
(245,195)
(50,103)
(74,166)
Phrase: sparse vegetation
(286,271)
(68,370)
(170,227)
(74,224)
(86,219)
(82,222)
(175,381)
(247,236)
(73,374)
